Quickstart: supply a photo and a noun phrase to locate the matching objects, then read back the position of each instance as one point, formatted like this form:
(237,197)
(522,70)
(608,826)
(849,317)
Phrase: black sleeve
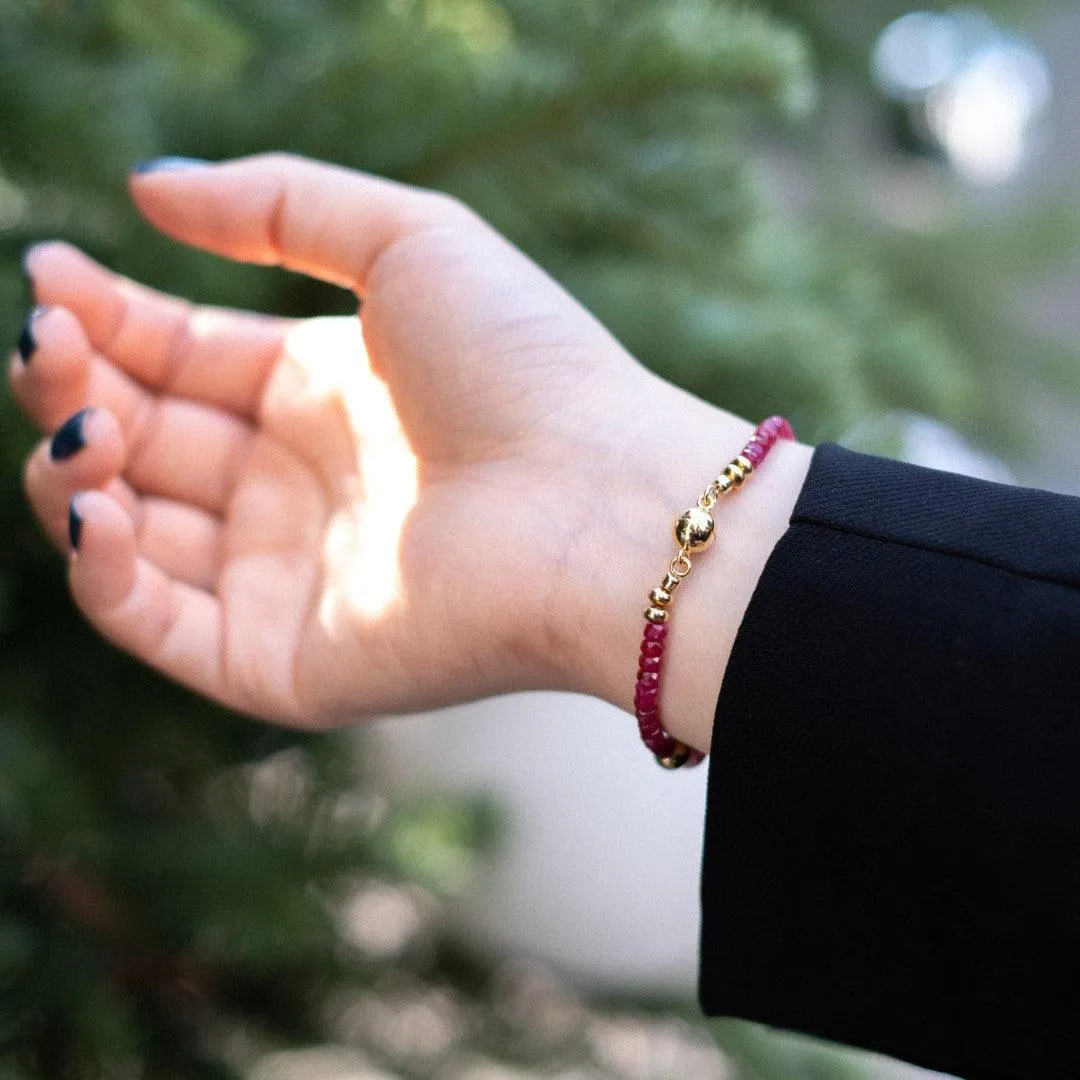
(892,843)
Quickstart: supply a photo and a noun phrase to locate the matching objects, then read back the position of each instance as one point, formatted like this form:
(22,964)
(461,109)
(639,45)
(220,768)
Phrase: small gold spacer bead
(670,583)
(723,484)
(676,759)
(660,597)
(738,477)
(655,614)
(745,464)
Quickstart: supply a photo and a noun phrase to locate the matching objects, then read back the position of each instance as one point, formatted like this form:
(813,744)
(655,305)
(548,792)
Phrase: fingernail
(27,341)
(75,524)
(28,278)
(167,164)
(69,438)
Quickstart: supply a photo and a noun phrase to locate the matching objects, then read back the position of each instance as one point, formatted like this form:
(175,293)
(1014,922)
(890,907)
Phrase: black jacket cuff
(892,845)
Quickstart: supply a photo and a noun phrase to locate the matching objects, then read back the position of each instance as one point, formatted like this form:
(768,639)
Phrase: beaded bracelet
(694,531)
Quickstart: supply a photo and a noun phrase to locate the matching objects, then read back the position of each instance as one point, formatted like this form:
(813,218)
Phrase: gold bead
(655,614)
(660,597)
(732,470)
(676,759)
(745,464)
(670,583)
(723,484)
(695,529)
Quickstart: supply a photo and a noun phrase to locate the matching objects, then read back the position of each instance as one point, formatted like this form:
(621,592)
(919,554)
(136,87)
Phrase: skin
(217,468)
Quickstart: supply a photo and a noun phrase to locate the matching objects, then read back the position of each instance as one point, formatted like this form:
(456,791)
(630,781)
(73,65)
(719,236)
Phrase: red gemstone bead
(645,699)
(649,679)
(652,650)
(778,428)
(663,745)
(754,452)
(650,729)
(649,663)
(655,632)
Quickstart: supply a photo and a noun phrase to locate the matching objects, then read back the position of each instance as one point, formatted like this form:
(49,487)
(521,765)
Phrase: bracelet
(694,531)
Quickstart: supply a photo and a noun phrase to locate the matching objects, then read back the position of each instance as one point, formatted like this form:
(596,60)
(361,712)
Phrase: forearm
(682,445)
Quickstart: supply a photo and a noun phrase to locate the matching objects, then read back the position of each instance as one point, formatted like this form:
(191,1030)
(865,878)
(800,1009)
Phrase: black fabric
(892,846)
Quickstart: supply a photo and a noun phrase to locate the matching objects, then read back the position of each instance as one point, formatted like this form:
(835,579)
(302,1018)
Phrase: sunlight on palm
(361,549)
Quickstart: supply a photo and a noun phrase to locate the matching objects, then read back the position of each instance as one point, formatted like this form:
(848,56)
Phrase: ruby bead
(649,663)
(652,650)
(645,699)
(649,678)
(655,632)
(754,452)
(663,745)
(777,428)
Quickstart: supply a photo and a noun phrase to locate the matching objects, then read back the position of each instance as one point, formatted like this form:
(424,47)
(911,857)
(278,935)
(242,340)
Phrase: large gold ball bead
(676,759)
(695,529)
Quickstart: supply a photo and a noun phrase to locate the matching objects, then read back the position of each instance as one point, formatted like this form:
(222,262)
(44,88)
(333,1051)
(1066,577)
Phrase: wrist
(688,442)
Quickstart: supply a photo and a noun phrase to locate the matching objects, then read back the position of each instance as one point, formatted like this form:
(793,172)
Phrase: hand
(248,518)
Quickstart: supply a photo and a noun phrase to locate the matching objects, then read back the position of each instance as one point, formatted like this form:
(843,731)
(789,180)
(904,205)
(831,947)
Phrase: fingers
(211,355)
(177,449)
(170,625)
(50,377)
(87,452)
(330,222)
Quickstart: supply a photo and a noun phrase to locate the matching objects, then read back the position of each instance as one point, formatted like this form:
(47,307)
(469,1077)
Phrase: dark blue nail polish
(167,164)
(27,344)
(75,524)
(69,438)
(27,341)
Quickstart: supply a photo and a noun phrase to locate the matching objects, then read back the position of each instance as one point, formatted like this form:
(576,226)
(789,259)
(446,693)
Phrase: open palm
(306,522)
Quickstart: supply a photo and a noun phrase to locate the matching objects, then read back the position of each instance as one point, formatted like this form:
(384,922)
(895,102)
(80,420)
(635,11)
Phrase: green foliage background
(170,876)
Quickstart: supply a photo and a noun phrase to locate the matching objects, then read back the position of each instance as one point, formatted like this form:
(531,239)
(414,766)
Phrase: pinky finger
(174,627)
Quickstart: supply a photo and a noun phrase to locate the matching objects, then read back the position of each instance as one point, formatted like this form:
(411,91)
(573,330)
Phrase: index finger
(168,345)
(330,222)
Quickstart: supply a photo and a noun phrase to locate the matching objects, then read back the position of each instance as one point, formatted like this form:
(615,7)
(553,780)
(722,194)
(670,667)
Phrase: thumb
(330,222)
